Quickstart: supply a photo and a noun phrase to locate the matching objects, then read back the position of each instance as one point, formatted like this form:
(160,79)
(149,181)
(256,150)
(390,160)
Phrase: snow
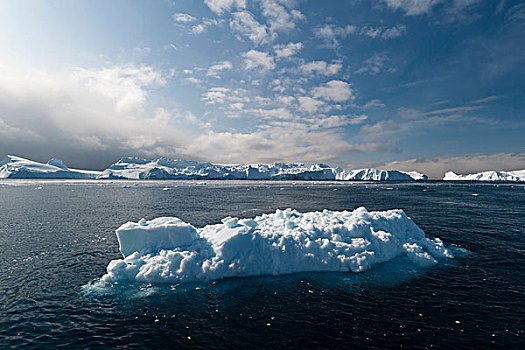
(515,176)
(378,175)
(170,250)
(20,168)
(165,168)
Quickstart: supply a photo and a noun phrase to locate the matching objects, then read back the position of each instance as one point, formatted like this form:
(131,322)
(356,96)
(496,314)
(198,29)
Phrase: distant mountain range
(134,168)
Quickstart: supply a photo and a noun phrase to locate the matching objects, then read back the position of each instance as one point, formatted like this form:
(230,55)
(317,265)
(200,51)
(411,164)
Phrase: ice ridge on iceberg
(170,250)
(165,168)
(492,175)
(20,168)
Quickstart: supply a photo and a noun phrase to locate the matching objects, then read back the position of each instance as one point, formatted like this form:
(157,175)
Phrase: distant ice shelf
(20,168)
(169,250)
(165,168)
(514,176)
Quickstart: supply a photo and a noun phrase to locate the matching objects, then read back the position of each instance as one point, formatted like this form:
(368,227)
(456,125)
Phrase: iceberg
(20,168)
(134,168)
(514,176)
(169,250)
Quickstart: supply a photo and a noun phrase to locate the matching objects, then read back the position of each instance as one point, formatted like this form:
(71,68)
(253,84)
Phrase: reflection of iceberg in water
(171,251)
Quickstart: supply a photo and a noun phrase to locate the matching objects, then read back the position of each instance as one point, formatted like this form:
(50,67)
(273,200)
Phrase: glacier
(492,175)
(134,168)
(169,250)
(19,168)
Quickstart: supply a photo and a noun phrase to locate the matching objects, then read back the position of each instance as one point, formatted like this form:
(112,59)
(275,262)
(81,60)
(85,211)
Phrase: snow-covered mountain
(165,168)
(517,175)
(20,168)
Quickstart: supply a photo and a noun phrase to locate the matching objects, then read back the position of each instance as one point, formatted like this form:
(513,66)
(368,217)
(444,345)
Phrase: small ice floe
(38,188)
(170,250)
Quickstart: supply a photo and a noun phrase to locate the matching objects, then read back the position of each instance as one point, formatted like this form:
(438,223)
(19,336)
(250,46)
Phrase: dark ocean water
(57,237)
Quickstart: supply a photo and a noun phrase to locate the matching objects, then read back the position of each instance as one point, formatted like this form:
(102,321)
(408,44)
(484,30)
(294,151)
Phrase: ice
(165,168)
(514,176)
(20,168)
(287,241)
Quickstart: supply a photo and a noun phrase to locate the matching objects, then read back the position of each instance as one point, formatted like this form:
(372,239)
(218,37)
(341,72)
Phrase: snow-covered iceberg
(287,241)
(515,176)
(165,168)
(20,168)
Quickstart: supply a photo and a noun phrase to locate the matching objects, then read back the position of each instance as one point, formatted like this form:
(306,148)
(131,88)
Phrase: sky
(427,85)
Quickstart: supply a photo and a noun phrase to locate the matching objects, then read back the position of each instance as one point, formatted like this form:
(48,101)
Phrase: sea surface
(57,237)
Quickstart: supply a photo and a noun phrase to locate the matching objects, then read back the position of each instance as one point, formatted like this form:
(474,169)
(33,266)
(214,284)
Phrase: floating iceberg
(165,168)
(287,241)
(20,168)
(515,176)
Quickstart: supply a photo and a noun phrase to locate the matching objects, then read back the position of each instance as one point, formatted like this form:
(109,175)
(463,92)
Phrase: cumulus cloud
(203,26)
(331,34)
(412,7)
(376,64)
(222,6)
(286,142)
(308,104)
(436,167)
(216,95)
(125,85)
(256,59)
(382,127)
(183,18)
(243,24)
(278,17)
(321,67)
(336,121)
(283,51)
(92,117)
(99,114)
(334,90)
(216,69)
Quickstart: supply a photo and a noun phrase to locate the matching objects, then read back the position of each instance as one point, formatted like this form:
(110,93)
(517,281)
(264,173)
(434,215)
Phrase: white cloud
(183,18)
(335,121)
(381,127)
(257,59)
(334,90)
(216,69)
(237,106)
(394,32)
(204,25)
(279,19)
(412,7)
(243,24)
(376,64)
(375,103)
(308,104)
(81,113)
(215,95)
(272,113)
(283,51)
(222,6)
(123,84)
(285,141)
(331,34)
(321,67)
(193,80)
